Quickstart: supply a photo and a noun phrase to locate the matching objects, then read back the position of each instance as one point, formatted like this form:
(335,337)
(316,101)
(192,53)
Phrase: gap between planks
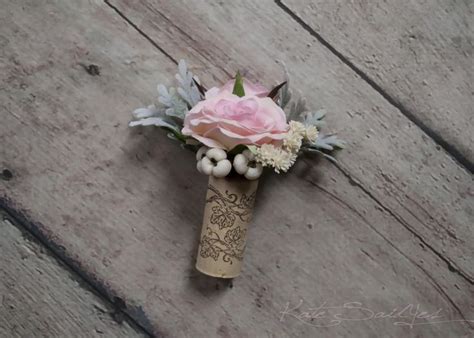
(438,139)
(451,266)
(142,33)
(120,307)
(435,283)
(449,149)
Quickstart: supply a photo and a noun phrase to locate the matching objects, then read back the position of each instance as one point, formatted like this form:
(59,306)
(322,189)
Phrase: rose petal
(224,120)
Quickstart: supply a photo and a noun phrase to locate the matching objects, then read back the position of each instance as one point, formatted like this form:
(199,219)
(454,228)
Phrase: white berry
(213,162)
(241,165)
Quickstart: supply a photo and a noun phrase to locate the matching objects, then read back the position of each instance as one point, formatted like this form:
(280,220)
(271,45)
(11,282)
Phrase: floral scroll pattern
(231,246)
(226,210)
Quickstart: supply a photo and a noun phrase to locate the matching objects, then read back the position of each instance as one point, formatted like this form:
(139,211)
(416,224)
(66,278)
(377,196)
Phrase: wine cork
(227,214)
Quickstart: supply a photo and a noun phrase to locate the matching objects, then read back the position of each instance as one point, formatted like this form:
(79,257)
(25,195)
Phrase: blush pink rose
(224,120)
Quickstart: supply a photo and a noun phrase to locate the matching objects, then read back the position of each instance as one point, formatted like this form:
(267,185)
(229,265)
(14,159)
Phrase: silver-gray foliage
(285,92)
(172,106)
(296,110)
(187,88)
(328,142)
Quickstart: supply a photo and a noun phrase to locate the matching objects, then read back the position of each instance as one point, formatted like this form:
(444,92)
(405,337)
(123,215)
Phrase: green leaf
(238,85)
(175,134)
(275,90)
(237,149)
(200,87)
(253,149)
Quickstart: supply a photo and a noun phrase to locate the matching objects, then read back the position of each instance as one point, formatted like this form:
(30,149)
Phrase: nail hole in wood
(6,175)
(92,69)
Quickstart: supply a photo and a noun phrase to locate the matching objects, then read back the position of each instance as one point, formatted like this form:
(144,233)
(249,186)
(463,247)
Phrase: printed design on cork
(228,208)
(232,246)
(225,238)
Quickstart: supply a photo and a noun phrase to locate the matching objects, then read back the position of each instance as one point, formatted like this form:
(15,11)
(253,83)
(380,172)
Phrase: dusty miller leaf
(173,105)
(313,150)
(285,95)
(328,142)
(285,92)
(152,116)
(187,89)
(297,109)
(172,102)
(315,119)
(154,121)
(143,113)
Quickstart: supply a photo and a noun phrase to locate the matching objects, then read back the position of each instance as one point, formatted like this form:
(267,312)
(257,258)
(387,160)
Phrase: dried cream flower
(297,127)
(270,156)
(294,137)
(311,133)
(293,141)
(282,158)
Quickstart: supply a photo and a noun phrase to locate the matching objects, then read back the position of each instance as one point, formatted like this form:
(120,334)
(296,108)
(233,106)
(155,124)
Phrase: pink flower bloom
(224,120)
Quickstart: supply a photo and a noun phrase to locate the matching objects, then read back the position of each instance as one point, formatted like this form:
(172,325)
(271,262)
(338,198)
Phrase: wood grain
(419,52)
(127,205)
(41,298)
(388,157)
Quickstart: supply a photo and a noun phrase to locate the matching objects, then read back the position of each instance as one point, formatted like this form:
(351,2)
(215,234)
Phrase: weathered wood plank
(128,206)
(41,298)
(419,52)
(388,156)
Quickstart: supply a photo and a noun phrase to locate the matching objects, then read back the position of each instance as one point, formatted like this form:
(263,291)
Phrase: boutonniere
(237,131)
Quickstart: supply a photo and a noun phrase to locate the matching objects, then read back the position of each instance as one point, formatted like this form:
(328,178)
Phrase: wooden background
(119,210)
